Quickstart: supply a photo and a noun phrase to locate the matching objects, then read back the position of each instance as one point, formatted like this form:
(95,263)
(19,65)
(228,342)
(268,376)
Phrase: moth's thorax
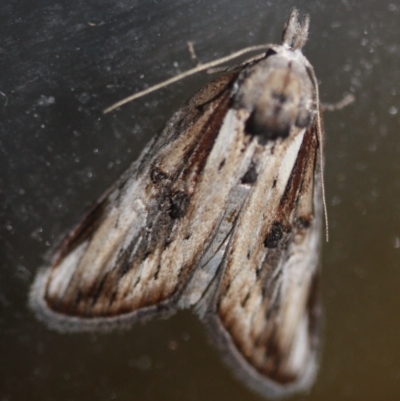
(279,94)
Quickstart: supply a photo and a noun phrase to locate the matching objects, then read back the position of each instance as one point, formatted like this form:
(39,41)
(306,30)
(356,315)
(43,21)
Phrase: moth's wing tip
(71,324)
(246,373)
(37,303)
(53,320)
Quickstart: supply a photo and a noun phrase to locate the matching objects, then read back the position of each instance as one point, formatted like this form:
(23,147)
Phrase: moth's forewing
(265,310)
(133,253)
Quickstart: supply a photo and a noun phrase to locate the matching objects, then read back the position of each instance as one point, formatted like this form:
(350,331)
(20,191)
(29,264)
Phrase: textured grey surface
(63,62)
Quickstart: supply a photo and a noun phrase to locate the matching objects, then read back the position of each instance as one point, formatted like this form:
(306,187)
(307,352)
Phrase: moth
(222,213)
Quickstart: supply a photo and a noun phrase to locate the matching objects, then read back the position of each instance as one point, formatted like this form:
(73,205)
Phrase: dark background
(62,62)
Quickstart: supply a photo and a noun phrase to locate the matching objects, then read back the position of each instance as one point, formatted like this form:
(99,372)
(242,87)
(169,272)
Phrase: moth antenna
(195,70)
(192,53)
(321,144)
(237,66)
(319,133)
(341,104)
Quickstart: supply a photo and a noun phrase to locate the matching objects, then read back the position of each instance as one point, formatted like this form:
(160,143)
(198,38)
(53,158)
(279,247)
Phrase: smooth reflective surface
(63,63)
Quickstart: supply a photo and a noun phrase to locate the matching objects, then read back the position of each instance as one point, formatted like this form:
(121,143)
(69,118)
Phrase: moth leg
(341,104)
(192,52)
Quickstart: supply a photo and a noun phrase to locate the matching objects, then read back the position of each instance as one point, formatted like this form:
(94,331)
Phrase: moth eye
(274,236)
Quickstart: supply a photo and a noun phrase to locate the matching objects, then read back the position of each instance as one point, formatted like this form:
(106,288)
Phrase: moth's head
(279,94)
(279,106)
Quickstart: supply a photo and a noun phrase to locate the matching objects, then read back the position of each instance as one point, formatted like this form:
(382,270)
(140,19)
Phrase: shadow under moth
(222,213)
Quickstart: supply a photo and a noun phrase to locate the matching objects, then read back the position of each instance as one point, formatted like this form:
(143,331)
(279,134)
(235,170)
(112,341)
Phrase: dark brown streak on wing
(192,110)
(314,310)
(203,147)
(216,95)
(186,116)
(294,186)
